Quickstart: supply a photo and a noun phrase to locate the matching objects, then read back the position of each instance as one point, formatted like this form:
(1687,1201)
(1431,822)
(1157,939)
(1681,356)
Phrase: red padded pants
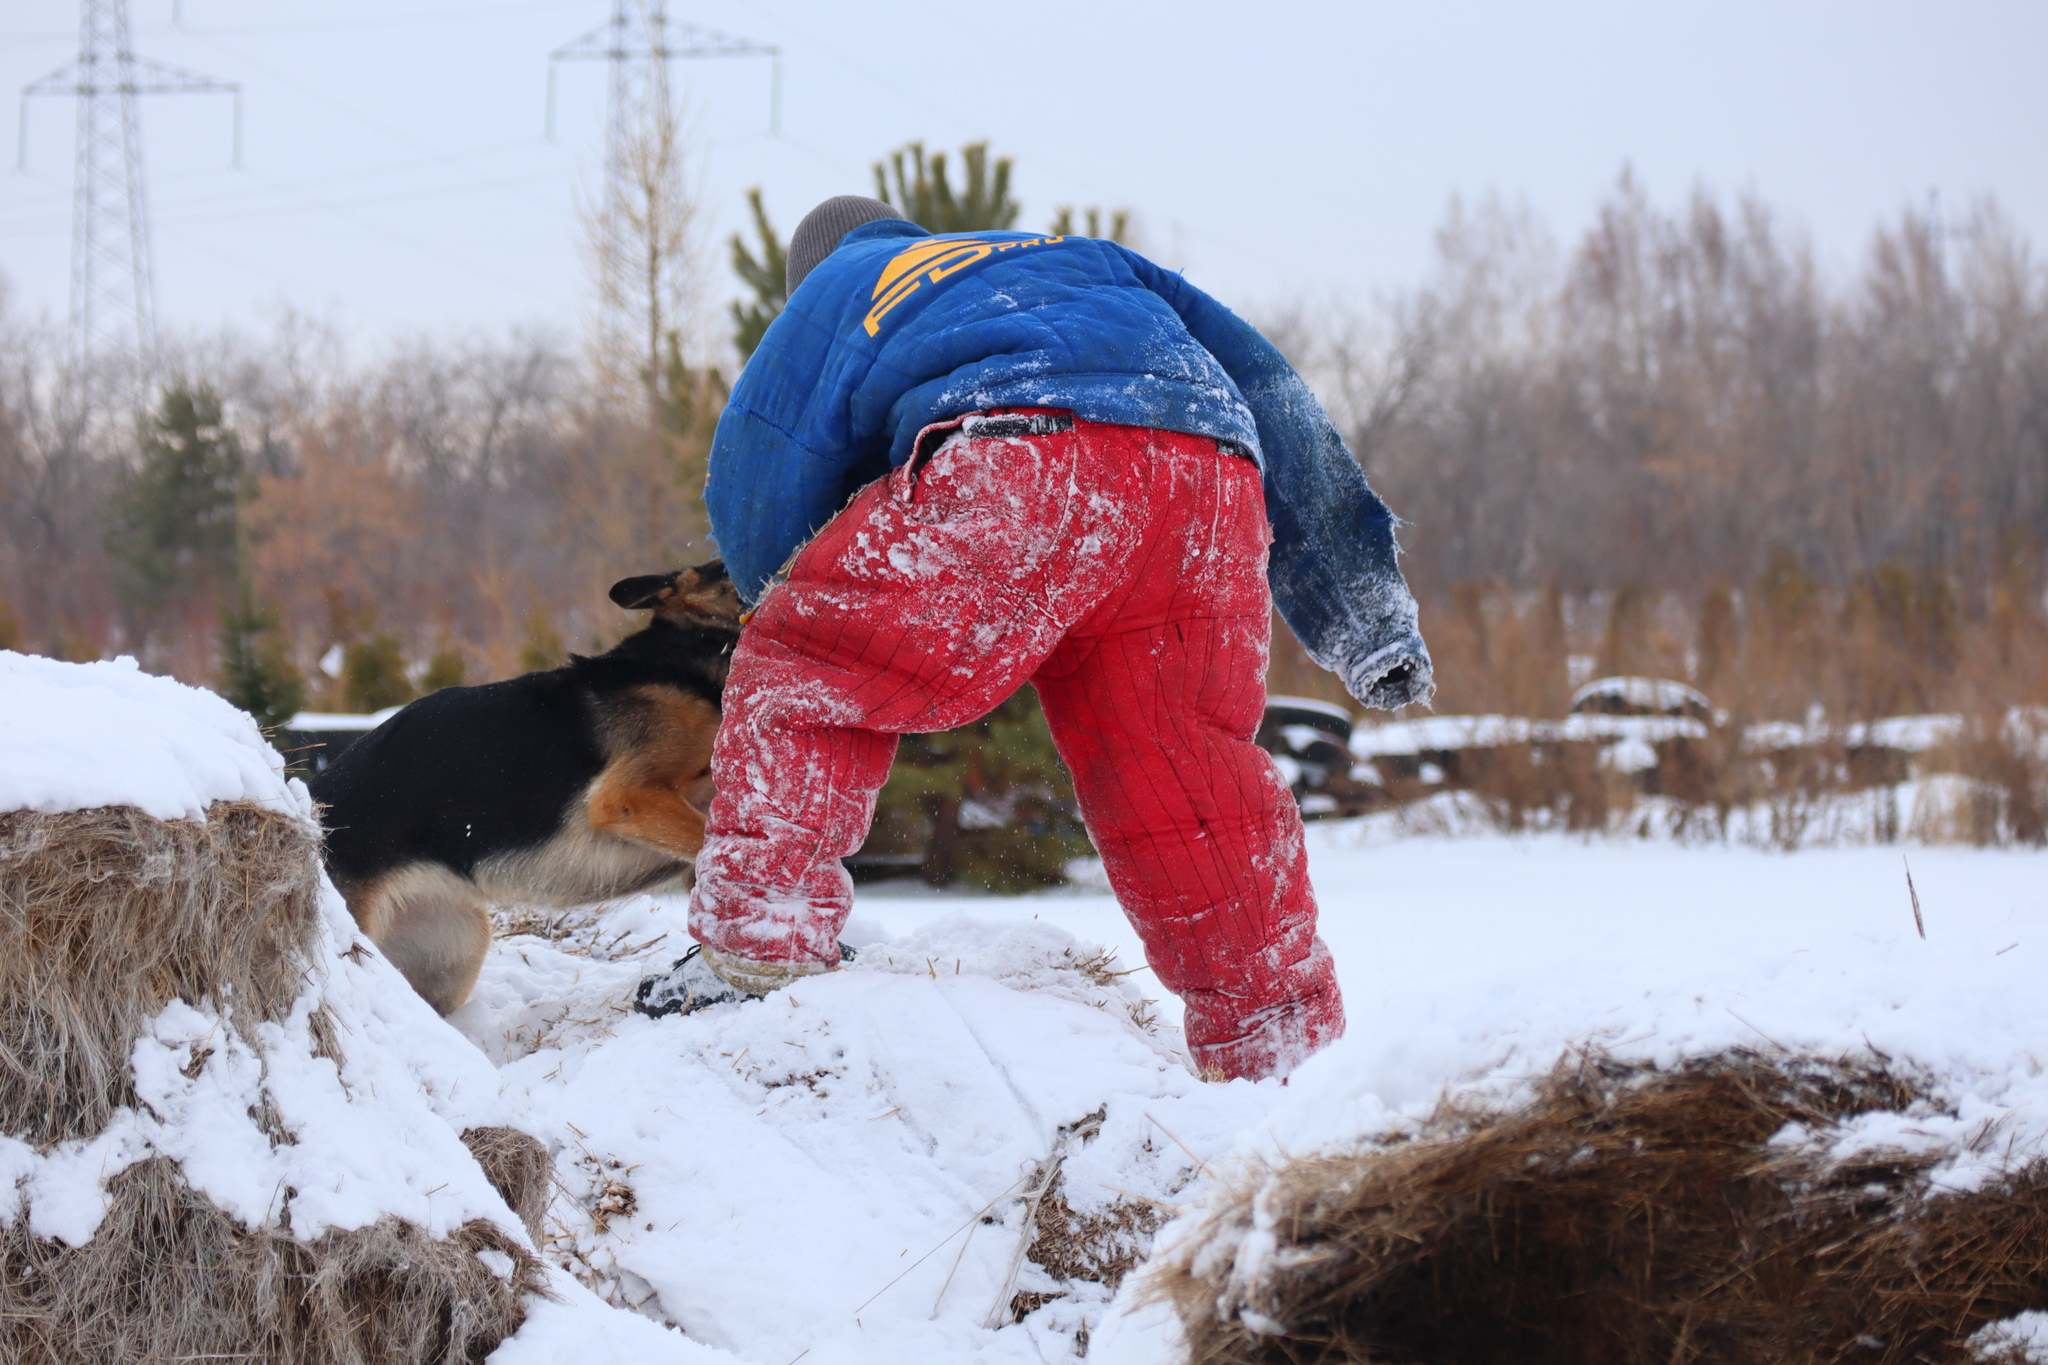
(1120,570)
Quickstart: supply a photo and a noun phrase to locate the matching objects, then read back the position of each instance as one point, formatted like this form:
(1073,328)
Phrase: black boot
(690,985)
(685,987)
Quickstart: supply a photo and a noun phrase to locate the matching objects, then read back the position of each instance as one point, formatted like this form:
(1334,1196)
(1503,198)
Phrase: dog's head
(703,596)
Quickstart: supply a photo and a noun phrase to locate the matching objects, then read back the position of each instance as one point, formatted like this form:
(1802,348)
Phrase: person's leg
(1153,702)
(924,604)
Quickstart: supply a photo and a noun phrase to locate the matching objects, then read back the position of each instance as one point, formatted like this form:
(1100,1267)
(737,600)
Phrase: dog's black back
(467,773)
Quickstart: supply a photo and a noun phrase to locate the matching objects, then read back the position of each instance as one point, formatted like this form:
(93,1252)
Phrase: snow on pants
(1122,571)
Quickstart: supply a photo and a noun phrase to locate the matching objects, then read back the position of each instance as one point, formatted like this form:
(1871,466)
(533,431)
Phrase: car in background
(1310,743)
(1623,696)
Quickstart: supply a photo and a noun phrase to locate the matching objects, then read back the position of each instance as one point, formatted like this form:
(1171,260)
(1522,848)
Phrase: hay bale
(1623,1216)
(1071,1250)
(108,919)
(106,916)
(519,1168)
(169,1277)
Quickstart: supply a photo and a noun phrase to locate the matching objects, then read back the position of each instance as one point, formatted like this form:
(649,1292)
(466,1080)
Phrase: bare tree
(1671,444)
(639,243)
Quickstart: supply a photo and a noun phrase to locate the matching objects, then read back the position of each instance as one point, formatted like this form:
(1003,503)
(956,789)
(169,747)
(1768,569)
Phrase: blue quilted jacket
(898,329)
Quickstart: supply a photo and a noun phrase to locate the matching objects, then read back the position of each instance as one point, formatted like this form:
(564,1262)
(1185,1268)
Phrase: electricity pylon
(640,34)
(637,236)
(113,290)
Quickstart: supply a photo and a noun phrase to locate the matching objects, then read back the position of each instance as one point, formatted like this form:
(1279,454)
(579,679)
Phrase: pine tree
(256,672)
(767,275)
(540,645)
(987,805)
(923,193)
(175,517)
(1119,223)
(1788,601)
(373,674)
(691,400)
(1781,644)
(446,669)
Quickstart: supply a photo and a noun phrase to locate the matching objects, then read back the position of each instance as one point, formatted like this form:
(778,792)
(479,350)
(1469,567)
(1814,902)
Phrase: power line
(453,258)
(408,18)
(427,248)
(11,213)
(900,89)
(298,86)
(376,20)
(112,279)
(658,39)
(910,96)
(334,205)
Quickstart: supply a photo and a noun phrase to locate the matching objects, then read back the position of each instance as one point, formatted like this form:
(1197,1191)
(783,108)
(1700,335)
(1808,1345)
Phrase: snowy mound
(1509,955)
(214,1090)
(848,1167)
(845,1170)
(78,736)
(1675,954)
(956,1148)
(375,1134)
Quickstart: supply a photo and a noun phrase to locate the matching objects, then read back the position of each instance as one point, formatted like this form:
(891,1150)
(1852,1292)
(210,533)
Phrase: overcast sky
(395,177)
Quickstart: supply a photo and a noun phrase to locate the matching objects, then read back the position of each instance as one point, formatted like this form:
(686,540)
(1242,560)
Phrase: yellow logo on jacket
(930,262)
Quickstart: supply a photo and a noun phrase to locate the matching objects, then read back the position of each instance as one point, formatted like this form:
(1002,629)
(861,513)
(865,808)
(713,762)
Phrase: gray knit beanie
(822,228)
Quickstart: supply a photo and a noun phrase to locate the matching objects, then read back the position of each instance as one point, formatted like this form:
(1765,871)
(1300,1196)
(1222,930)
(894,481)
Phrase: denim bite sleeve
(1335,567)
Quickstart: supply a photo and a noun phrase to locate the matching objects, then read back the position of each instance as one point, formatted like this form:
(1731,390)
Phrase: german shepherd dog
(554,788)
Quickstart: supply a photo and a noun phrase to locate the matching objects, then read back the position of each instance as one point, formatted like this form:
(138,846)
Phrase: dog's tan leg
(647,814)
(432,924)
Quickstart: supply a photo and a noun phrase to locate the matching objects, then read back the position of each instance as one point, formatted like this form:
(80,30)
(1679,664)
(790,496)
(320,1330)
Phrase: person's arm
(767,495)
(788,444)
(1334,569)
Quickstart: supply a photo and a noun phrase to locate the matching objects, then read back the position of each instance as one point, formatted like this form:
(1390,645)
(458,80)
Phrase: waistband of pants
(1000,423)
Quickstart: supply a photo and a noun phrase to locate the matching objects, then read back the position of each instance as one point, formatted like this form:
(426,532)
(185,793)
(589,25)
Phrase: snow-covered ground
(837,1175)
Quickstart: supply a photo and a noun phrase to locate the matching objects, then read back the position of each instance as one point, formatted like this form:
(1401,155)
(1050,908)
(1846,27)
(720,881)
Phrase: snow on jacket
(898,329)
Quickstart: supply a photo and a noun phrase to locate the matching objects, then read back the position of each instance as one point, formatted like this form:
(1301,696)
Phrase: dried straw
(519,1168)
(106,916)
(1624,1216)
(169,1277)
(1074,1248)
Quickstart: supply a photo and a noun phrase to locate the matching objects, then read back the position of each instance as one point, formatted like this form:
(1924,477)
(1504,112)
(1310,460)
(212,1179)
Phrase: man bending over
(960,463)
